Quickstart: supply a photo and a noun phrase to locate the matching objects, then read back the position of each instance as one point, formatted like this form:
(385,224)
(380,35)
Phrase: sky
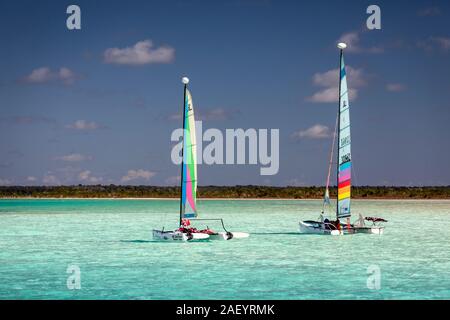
(99,105)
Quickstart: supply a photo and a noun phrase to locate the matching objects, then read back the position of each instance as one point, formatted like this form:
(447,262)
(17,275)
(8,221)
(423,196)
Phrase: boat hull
(370,230)
(160,235)
(313,227)
(308,227)
(228,235)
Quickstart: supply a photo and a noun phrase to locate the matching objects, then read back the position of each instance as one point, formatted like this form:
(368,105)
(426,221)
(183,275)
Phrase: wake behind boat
(188,196)
(344,164)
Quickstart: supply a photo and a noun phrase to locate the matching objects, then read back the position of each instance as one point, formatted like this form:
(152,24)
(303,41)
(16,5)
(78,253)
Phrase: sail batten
(344,147)
(189,183)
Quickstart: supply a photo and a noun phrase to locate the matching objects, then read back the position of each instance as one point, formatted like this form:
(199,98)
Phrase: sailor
(338,224)
(185,222)
(185,226)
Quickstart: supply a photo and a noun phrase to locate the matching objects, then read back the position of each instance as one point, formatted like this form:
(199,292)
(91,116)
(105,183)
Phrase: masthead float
(343,174)
(188,181)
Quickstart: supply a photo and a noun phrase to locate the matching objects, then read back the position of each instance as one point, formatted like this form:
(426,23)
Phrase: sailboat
(344,167)
(188,196)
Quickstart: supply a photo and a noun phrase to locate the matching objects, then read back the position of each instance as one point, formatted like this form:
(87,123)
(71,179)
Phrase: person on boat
(185,222)
(186,226)
(208,231)
(337,224)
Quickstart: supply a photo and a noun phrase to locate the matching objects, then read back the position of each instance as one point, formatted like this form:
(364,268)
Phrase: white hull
(178,236)
(370,230)
(309,227)
(228,236)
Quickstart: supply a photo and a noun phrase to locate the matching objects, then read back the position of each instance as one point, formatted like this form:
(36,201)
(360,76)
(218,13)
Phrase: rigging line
(331,158)
(331,153)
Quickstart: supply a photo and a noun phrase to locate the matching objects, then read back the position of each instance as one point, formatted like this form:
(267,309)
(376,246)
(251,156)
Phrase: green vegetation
(243,192)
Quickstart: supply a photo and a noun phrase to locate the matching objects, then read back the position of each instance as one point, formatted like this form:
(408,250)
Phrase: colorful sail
(344,153)
(189,185)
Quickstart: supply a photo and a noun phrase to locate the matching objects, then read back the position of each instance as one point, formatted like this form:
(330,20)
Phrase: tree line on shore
(242,192)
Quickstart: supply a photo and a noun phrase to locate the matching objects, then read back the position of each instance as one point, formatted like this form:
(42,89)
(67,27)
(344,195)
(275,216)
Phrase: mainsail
(344,153)
(189,169)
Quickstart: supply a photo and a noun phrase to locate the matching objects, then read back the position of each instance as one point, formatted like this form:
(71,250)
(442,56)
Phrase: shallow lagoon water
(110,241)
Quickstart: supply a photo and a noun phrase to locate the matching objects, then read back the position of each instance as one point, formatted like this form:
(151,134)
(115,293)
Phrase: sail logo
(234,147)
(345,158)
(345,141)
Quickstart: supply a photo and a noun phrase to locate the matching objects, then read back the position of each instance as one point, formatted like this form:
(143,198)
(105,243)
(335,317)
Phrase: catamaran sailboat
(188,197)
(344,163)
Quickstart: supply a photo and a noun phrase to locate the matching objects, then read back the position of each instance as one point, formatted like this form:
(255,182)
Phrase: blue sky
(96,105)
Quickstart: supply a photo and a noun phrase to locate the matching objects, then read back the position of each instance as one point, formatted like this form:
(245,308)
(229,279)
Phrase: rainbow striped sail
(189,184)
(344,153)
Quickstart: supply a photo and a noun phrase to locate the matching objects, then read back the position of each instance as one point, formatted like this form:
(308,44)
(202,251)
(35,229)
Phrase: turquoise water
(110,241)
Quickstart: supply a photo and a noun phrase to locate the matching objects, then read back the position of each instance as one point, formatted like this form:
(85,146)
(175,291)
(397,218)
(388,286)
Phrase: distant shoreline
(250,192)
(221,199)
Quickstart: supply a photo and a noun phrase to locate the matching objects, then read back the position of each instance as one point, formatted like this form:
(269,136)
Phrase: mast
(341,46)
(185,81)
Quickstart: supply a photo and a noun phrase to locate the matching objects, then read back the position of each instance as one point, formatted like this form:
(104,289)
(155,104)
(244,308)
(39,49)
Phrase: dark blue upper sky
(73,111)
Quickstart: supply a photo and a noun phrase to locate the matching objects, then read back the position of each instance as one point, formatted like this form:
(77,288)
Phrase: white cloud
(216,114)
(331,95)
(40,75)
(83,125)
(4,182)
(331,78)
(433,43)
(46,75)
(74,157)
(31,179)
(442,42)
(141,53)
(50,179)
(66,75)
(86,176)
(330,81)
(175,180)
(317,131)
(395,87)
(138,174)
(353,39)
